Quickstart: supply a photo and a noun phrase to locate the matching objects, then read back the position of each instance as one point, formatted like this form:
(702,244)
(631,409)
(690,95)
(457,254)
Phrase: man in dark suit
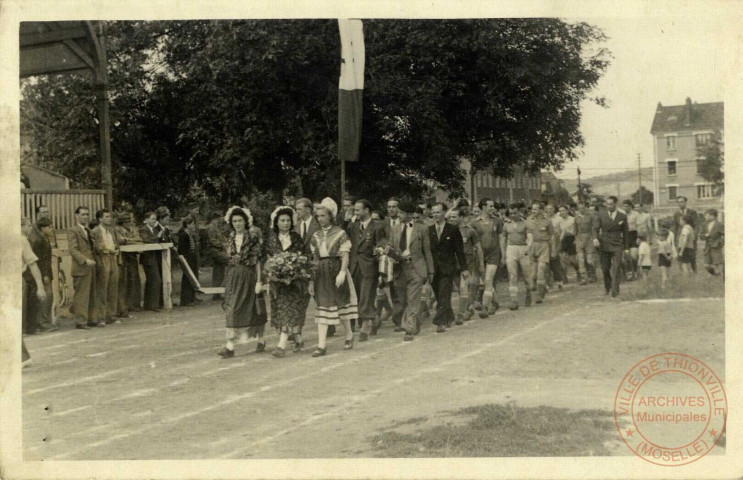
(410,247)
(611,239)
(392,217)
(151,262)
(695,223)
(83,270)
(347,215)
(306,226)
(447,250)
(40,312)
(366,235)
(216,248)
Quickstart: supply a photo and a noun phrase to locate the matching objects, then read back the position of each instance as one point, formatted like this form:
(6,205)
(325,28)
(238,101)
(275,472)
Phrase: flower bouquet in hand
(286,267)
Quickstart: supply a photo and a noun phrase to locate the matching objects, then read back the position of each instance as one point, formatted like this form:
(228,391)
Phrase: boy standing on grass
(714,241)
(643,256)
(666,252)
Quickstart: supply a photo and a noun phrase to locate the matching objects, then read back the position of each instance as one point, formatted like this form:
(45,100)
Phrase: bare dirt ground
(154,388)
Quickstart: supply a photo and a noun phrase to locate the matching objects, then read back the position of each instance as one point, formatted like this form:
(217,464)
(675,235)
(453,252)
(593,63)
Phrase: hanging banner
(350,89)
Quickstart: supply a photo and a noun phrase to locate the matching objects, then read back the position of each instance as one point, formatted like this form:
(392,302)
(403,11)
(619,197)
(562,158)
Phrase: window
(672,192)
(671,167)
(700,164)
(702,139)
(671,142)
(706,190)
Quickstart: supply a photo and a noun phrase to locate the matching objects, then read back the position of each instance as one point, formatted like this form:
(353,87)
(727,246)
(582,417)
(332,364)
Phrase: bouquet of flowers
(285,267)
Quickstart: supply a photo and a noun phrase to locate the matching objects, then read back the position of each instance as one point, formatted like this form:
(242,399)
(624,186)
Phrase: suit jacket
(713,239)
(448,252)
(42,249)
(362,247)
(420,248)
(387,223)
(152,257)
(98,245)
(612,234)
(313,227)
(81,249)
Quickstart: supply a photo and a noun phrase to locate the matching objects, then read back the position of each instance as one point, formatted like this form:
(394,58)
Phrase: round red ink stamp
(670,409)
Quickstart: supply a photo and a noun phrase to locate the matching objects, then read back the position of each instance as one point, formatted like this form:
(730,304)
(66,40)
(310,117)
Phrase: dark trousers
(83,301)
(366,293)
(556,269)
(153,286)
(24,308)
(443,286)
(130,285)
(30,305)
(188,294)
(610,265)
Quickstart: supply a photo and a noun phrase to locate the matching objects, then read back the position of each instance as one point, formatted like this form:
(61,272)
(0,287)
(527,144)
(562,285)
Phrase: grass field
(504,431)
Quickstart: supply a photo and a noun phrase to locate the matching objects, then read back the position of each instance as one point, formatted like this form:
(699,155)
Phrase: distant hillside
(622,184)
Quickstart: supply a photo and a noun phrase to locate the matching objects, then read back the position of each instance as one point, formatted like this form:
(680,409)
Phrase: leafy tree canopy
(712,164)
(229,107)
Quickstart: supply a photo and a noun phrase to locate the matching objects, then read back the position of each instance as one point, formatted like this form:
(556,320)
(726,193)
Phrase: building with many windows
(679,131)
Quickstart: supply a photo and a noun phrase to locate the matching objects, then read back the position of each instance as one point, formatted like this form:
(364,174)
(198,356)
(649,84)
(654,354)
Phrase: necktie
(362,228)
(404,238)
(439,228)
(304,229)
(87,236)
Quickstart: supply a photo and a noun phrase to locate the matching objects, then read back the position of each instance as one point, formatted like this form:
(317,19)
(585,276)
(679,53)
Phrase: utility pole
(639,176)
(580,189)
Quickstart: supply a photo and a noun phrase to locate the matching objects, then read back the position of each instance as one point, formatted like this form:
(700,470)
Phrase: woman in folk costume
(332,287)
(245,314)
(287,312)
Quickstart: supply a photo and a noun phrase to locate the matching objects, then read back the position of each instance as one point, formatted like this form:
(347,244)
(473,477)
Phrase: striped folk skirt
(334,303)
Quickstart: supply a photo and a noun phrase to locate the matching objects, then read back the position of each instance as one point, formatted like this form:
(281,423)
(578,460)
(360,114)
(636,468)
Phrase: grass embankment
(505,431)
(699,285)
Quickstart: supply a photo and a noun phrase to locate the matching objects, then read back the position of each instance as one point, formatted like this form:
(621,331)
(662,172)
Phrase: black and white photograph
(402,243)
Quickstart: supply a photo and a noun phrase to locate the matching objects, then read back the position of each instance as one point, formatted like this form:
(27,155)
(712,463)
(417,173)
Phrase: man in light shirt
(106,250)
(568,252)
(83,270)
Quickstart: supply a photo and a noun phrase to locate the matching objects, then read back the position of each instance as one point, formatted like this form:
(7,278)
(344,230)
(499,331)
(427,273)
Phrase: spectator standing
(106,249)
(150,262)
(643,256)
(83,270)
(130,285)
(713,235)
(666,254)
(217,250)
(686,244)
(30,274)
(40,313)
(692,220)
(189,247)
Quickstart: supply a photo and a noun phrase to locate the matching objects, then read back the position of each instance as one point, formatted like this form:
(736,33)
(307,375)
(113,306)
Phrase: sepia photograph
(376,238)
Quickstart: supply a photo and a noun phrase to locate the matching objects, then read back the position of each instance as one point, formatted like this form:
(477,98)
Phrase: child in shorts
(643,253)
(666,253)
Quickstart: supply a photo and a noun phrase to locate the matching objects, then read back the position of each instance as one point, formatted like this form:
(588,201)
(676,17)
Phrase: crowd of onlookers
(418,253)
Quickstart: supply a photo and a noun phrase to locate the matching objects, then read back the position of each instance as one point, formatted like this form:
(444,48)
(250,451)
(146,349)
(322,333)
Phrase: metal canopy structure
(48,48)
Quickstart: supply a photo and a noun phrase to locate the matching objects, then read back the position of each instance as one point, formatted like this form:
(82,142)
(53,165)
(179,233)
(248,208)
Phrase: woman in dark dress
(188,246)
(332,285)
(287,314)
(245,314)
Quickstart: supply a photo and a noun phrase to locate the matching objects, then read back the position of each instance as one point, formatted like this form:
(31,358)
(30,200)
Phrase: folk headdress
(329,204)
(244,210)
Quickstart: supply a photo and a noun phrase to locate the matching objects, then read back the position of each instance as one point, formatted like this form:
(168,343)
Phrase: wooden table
(167,276)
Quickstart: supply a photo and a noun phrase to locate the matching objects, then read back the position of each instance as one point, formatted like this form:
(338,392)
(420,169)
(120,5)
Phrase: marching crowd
(362,266)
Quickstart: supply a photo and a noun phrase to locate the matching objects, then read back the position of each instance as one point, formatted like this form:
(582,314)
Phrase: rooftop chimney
(687,117)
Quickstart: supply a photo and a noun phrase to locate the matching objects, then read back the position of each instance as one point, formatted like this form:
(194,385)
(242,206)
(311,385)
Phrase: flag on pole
(350,89)
(579,171)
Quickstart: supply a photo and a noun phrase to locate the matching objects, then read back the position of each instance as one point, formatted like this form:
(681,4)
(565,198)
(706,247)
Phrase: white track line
(229,401)
(398,381)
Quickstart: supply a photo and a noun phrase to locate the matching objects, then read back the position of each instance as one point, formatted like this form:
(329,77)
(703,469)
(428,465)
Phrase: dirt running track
(154,388)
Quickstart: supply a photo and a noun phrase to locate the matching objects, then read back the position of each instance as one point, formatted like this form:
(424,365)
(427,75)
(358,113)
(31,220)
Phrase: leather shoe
(279,353)
(348,345)
(399,329)
(363,337)
(319,352)
(440,329)
(82,327)
(225,353)
(408,338)
(260,347)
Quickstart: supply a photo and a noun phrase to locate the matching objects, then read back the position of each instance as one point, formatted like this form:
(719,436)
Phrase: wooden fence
(61,204)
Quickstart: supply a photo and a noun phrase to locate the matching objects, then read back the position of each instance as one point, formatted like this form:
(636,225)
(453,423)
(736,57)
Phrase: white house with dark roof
(678,132)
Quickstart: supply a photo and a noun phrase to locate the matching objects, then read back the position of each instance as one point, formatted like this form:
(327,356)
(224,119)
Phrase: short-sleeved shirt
(470,239)
(644,255)
(632,220)
(584,223)
(489,231)
(27,253)
(515,231)
(540,227)
(566,225)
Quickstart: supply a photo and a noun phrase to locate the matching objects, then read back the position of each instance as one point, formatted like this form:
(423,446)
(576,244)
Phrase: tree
(241,106)
(712,163)
(646,199)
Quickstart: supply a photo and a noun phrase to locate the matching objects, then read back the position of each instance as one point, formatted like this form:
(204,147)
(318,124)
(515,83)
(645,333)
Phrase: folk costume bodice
(274,247)
(330,242)
(250,252)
